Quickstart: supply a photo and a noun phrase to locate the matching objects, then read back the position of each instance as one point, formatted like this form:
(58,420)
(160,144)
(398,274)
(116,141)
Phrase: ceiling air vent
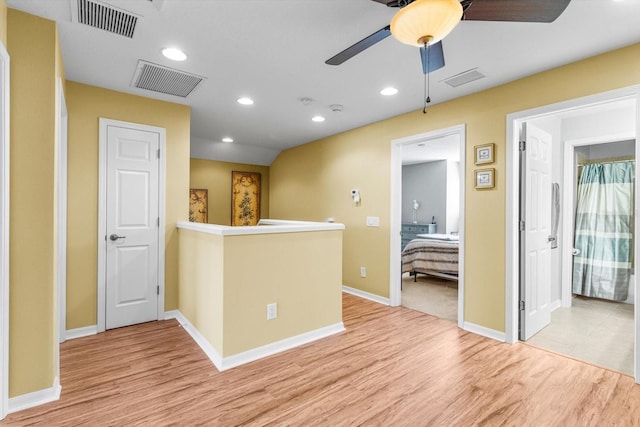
(106,17)
(161,79)
(464,78)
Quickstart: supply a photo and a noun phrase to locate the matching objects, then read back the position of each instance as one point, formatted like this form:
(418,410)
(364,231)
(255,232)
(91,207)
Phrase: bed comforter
(425,256)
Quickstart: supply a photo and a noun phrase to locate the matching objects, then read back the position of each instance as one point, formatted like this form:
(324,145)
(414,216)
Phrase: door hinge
(521,305)
(158,290)
(521,225)
(523,145)
(158,153)
(158,222)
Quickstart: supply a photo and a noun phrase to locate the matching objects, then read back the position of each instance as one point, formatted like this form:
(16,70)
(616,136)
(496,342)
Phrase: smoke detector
(306,101)
(336,108)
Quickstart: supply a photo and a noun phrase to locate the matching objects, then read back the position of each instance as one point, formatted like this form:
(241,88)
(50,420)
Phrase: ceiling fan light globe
(426,20)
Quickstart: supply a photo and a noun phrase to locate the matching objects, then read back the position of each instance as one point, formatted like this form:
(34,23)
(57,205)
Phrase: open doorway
(430,226)
(438,217)
(553,313)
(597,324)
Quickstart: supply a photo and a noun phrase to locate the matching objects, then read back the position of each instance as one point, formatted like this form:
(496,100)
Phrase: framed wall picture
(245,198)
(198,205)
(485,178)
(484,154)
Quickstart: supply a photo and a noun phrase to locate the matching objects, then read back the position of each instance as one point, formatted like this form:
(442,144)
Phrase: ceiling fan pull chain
(424,109)
(427,80)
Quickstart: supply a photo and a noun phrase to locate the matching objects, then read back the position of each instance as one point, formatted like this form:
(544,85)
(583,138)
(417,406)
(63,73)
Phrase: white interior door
(535,293)
(132,226)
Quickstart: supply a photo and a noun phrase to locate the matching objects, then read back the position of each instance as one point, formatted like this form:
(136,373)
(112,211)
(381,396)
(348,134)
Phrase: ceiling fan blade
(435,60)
(391,3)
(515,10)
(358,47)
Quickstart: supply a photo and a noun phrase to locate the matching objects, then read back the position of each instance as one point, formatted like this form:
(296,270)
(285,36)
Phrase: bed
(433,254)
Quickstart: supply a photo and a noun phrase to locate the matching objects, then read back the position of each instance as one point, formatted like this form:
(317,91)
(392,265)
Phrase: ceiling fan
(432,56)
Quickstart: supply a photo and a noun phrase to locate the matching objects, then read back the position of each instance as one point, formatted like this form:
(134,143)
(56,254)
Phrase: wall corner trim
(85,331)
(366,295)
(209,350)
(485,332)
(224,363)
(36,398)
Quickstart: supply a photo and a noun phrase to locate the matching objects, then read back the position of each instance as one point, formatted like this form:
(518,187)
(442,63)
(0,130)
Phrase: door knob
(115,237)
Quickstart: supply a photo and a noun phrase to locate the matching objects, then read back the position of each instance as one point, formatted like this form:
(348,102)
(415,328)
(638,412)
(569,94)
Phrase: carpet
(431,295)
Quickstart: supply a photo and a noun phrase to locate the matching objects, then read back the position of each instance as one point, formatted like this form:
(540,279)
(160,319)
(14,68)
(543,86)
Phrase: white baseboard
(224,363)
(202,342)
(485,332)
(366,295)
(556,304)
(279,346)
(81,332)
(35,398)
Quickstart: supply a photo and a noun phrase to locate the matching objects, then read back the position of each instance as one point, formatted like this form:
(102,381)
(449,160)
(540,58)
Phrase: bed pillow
(448,237)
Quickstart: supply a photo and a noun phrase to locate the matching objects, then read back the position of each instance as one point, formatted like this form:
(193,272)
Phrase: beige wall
(312,181)
(301,272)
(201,278)
(3,22)
(226,283)
(215,176)
(86,104)
(35,67)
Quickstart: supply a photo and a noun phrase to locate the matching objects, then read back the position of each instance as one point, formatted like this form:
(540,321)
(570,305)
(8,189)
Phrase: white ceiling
(430,150)
(274,52)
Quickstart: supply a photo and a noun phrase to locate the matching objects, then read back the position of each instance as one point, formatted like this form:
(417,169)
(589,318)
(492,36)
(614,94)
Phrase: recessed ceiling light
(227,139)
(174,54)
(317,119)
(388,91)
(245,101)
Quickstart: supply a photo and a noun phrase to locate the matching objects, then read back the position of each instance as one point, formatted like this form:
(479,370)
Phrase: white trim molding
(86,331)
(366,295)
(61,208)
(274,226)
(36,398)
(4,229)
(224,363)
(512,251)
(514,121)
(102,222)
(395,214)
(484,331)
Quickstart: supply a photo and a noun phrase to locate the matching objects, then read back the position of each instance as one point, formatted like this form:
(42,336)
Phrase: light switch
(373,221)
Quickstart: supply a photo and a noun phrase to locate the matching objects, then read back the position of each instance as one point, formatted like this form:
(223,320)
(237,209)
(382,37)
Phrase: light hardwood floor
(392,367)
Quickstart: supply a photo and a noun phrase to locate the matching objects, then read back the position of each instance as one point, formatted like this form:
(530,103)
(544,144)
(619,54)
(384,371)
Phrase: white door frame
(63,116)
(102,209)
(514,120)
(569,202)
(61,223)
(4,223)
(395,268)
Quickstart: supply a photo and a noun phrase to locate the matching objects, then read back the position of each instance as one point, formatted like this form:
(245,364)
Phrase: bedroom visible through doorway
(428,217)
(430,226)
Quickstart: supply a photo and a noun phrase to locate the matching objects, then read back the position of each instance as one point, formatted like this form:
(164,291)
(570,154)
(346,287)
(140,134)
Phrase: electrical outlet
(373,221)
(272,311)
(363,271)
